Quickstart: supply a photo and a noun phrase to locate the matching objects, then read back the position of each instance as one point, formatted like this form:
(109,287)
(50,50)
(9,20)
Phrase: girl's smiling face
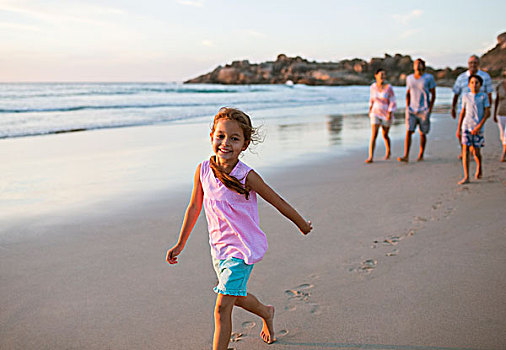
(228,141)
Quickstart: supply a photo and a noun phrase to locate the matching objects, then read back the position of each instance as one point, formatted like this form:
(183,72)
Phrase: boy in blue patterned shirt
(474,113)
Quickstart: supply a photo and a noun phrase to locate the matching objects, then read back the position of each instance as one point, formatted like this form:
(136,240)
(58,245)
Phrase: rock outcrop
(346,72)
(495,59)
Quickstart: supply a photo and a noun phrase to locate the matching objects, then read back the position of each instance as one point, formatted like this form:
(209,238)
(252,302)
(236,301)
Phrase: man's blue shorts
(233,275)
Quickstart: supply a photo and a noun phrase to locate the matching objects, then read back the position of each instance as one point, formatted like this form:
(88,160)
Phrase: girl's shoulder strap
(241,171)
(204,168)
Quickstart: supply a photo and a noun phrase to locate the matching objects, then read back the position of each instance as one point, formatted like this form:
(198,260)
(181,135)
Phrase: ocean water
(138,139)
(38,109)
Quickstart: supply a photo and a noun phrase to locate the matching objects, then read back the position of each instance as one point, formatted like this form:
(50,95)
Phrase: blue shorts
(469,139)
(233,275)
(422,119)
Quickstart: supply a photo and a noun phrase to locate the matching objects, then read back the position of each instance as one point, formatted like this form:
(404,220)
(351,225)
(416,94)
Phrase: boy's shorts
(233,275)
(469,139)
(422,119)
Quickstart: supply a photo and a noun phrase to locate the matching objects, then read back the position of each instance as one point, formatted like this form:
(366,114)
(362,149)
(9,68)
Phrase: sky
(175,40)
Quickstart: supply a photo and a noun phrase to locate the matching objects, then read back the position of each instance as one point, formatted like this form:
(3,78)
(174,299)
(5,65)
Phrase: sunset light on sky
(155,40)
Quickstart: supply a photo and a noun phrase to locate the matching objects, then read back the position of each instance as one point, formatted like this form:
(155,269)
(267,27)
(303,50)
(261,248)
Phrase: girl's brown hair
(250,136)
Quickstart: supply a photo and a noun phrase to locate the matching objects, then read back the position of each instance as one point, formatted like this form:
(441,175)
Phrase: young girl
(381,108)
(474,113)
(227,188)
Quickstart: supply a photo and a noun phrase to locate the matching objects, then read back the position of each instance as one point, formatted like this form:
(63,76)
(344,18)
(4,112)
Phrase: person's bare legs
(384,130)
(372,143)
(407,146)
(465,165)
(266,312)
(423,142)
(503,158)
(477,159)
(223,321)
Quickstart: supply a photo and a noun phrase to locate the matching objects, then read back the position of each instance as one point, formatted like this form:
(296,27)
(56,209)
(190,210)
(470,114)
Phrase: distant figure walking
(382,105)
(420,98)
(227,189)
(500,112)
(461,86)
(474,113)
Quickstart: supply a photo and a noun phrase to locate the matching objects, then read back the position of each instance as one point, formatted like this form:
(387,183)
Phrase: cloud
(17,26)
(194,3)
(78,12)
(408,33)
(208,43)
(407,17)
(254,33)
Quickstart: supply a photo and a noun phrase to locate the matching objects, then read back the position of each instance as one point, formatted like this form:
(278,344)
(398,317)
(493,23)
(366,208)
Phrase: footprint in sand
(436,205)
(393,252)
(393,240)
(235,337)
(448,212)
(299,292)
(368,265)
(246,328)
(248,325)
(282,334)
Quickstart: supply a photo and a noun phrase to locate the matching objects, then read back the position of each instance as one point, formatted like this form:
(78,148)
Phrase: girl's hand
(475,131)
(173,253)
(458,134)
(306,228)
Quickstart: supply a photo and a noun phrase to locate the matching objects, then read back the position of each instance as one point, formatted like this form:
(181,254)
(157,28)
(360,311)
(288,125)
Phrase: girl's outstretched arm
(255,183)
(190,218)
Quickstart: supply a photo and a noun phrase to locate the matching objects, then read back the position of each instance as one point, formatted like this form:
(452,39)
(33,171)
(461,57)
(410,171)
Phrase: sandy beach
(400,257)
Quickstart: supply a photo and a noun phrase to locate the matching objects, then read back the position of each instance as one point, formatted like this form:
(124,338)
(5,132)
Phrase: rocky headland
(298,70)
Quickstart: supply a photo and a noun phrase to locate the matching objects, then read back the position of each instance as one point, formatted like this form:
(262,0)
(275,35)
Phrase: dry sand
(400,258)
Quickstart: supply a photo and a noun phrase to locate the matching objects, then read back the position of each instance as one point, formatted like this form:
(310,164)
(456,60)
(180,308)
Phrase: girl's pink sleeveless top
(232,220)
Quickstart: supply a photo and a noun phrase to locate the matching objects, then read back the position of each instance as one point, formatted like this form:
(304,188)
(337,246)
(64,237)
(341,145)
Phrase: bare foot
(403,159)
(387,156)
(478,175)
(503,159)
(463,181)
(368,160)
(267,333)
(419,159)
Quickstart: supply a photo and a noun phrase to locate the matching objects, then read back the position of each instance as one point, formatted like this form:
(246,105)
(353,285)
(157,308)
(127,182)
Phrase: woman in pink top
(381,107)
(227,189)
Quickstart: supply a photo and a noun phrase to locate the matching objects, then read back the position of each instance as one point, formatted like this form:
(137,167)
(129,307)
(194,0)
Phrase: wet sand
(400,257)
